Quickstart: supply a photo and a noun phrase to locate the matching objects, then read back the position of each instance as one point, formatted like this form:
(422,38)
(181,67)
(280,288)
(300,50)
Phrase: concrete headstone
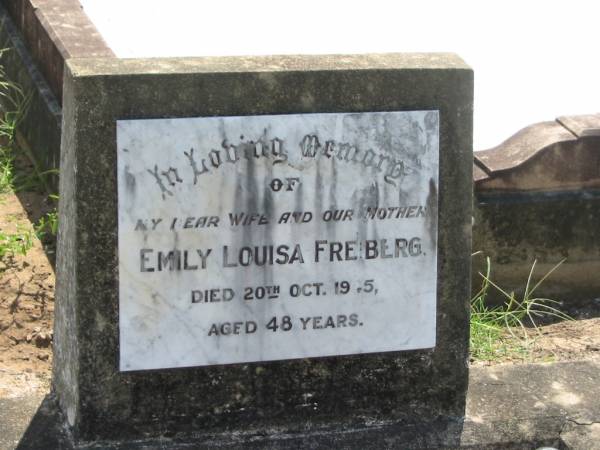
(283,241)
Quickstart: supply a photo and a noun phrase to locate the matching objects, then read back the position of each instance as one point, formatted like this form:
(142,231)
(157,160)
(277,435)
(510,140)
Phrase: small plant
(501,331)
(47,226)
(17,243)
(33,182)
(46,229)
(6,171)
(15,103)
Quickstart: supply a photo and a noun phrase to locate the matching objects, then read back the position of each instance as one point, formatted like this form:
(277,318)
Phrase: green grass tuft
(506,331)
(6,171)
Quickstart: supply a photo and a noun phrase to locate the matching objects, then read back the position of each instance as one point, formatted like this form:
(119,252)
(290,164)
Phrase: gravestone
(264,246)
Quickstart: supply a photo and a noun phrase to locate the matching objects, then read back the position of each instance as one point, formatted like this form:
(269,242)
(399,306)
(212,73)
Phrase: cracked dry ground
(26,303)
(27,306)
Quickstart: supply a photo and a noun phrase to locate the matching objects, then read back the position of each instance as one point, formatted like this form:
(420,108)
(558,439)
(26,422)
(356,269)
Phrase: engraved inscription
(276,237)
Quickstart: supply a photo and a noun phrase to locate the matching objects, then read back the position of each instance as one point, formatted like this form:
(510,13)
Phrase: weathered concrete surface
(583,125)
(520,147)
(581,435)
(538,404)
(15,416)
(353,392)
(544,157)
(508,407)
(516,231)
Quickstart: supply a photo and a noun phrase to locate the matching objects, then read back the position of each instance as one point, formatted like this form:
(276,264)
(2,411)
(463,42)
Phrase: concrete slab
(532,403)
(508,407)
(15,416)
(582,126)
(523,145)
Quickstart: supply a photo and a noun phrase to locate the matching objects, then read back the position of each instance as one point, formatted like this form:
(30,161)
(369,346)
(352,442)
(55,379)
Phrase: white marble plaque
(276,237)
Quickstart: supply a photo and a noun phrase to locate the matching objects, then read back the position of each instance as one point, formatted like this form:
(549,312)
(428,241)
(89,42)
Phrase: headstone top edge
(86,67)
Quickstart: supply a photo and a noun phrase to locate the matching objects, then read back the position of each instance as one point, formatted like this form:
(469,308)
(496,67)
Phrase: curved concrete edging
(547,156)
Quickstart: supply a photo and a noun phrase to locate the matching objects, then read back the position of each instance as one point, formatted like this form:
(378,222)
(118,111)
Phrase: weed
(17,243)
(46,230)
(47,226)
(15,103)
(6,172)
(32,182)
(501,331)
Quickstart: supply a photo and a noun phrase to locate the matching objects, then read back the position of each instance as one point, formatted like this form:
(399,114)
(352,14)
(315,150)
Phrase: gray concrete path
(15,416)
(556,404)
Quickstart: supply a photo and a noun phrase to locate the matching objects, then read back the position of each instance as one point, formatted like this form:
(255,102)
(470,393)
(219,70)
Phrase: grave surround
(312,395)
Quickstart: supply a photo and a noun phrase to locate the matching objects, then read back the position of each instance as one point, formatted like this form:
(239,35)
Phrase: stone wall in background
(537,198)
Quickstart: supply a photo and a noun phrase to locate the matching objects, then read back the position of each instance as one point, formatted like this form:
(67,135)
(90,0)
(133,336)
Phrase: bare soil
(27,307)
(562,341)
(26,303)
